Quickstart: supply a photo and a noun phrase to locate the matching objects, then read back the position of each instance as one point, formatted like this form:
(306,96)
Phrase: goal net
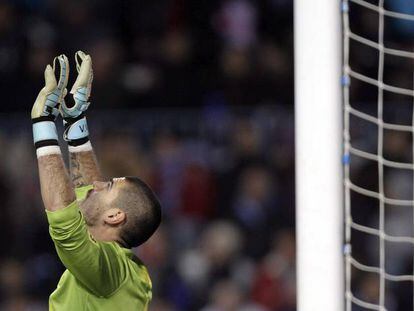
(378,40)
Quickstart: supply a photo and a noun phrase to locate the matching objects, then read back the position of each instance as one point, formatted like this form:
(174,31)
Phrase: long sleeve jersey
(99,275)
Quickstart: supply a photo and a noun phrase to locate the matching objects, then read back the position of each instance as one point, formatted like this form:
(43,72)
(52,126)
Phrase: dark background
(196,98)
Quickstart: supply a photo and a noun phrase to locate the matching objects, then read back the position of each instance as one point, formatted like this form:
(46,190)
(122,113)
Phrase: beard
(91,209)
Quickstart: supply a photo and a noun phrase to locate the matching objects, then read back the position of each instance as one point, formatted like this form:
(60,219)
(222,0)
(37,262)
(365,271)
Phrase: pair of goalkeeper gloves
(51,102)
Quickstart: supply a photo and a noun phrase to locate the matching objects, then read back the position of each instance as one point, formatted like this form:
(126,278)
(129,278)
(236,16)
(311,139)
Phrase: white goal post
(318,125)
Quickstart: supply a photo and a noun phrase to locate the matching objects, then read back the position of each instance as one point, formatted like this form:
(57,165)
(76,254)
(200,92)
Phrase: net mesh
(378,155)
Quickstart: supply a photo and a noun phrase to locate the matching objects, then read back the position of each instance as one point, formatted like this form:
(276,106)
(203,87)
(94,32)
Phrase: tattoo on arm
(84,168)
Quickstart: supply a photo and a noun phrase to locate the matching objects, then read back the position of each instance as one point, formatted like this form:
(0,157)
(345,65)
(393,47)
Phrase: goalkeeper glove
(45,108)
(76,129)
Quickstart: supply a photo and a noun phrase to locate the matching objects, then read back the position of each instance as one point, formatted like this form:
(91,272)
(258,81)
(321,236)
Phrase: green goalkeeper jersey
(100,275)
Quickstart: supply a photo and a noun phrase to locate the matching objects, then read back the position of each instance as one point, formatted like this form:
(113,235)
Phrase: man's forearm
(56,188)
(84,169)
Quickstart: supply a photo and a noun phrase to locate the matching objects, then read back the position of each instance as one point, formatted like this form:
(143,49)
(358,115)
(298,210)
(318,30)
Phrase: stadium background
(195,97)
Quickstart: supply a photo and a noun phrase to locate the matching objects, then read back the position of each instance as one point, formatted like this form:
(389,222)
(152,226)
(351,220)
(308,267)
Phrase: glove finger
(63,72)
(50,86)
(50,79)
(63,105)
(85,75)
(79,57)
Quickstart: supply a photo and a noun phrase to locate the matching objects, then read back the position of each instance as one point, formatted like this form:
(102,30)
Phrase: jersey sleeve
(98,266)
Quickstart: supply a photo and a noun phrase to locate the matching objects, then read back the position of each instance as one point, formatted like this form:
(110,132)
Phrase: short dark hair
(143,212)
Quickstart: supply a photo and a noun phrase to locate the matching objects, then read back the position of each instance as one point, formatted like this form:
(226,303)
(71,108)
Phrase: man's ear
(114,216)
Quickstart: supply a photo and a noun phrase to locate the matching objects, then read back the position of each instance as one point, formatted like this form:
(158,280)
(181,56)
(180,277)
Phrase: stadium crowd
(195,97)
(227,238)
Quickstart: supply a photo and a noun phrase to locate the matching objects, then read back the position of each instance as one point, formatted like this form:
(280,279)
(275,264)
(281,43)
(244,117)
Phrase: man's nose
(99,185)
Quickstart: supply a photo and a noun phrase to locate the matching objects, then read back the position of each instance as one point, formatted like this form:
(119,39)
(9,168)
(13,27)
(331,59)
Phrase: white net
(378,153)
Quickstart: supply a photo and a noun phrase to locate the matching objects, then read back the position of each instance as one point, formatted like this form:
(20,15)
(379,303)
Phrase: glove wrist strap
(76,131)
(44,132)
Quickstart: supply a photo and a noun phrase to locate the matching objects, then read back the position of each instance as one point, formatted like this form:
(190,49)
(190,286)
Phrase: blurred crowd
(226,184)
(196,98)
(157,53)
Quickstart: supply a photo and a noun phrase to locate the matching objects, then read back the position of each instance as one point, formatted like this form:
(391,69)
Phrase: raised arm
(56,188)
(97,266)
(84,169)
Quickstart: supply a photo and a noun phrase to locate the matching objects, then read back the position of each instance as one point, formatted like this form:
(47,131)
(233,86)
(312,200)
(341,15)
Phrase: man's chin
(89,193)
(85,215)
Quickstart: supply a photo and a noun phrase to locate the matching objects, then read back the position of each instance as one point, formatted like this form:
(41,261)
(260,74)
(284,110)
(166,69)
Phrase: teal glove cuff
(76,131)
(44,133)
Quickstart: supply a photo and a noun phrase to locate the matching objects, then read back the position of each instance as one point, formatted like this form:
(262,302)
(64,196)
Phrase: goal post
(318,128)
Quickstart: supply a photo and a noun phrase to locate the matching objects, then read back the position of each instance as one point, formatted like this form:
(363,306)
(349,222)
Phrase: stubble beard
(90,211)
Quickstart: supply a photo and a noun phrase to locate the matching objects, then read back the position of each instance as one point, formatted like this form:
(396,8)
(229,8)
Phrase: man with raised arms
(93,223)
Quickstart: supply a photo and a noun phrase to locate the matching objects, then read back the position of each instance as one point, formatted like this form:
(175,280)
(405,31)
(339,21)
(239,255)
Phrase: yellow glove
(46,106)
(74,120)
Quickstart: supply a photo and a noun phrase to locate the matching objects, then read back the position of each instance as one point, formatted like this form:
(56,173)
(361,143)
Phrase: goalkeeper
(93,223)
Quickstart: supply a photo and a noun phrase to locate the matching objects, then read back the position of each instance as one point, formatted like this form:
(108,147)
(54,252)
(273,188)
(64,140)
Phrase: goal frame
(318,153)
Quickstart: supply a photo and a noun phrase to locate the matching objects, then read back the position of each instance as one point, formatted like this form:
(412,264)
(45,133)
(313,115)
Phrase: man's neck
(97,234)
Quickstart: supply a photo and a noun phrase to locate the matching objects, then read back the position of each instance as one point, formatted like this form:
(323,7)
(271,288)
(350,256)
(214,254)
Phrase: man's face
(101,198)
